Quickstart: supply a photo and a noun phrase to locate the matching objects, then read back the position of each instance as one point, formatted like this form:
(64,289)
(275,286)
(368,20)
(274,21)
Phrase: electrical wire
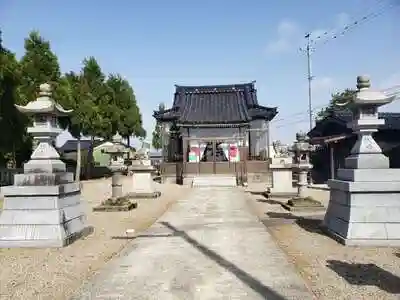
(334,34)
(394,90)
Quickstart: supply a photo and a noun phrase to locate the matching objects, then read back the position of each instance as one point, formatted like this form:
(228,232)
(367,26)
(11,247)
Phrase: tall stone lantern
(118,200)
(364,206)
(301,149)
(116,151)
(43,208)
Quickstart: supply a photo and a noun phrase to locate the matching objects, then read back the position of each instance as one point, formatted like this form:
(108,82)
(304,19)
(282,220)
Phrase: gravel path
(207,246)
(58,273)
(332,271)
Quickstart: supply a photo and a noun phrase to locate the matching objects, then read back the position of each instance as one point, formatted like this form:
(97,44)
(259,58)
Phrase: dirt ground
(57,273)
(331,270)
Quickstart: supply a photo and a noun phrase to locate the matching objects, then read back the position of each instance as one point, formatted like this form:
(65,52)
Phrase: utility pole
(309,78)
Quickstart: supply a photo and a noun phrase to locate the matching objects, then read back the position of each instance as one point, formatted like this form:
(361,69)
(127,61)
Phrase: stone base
(145,195)
(282,180)
(269,194)
(303,204)
(124,203)
(364,213)
(113,208)
(46,243)
(361,242)
(143,185)
(41,216)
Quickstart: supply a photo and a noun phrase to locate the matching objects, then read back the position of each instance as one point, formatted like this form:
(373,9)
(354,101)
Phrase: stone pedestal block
(41,210)
(282,179)
(364,207)
(143,185)
(116,185)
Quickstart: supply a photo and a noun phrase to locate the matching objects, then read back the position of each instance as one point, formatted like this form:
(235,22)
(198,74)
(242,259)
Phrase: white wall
(211,132)
(258,136)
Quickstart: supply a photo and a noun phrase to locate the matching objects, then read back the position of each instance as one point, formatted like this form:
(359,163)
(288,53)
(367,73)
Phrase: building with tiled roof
(212,122)
(216,106)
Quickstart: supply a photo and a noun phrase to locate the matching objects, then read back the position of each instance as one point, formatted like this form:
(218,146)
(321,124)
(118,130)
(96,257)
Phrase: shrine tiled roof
(336,123)
(216,105)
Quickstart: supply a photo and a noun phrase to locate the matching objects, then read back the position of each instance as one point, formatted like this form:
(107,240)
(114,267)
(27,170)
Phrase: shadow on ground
(311,224)
(134,237)
(269,201)
(397,254)
(366,274)
(243,276)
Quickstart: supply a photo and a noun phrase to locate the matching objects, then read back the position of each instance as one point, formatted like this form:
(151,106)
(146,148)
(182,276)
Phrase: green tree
(156,140)
(14,147)
(95,98)
(127,119)
(339,101)
(70,95)
(38,65)
(157,132)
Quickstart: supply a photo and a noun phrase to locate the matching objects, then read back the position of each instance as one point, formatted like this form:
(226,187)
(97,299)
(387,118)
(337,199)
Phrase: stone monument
(142,181)
(281,167)
(364,206)
(43,208)
(118,201)
(301,149)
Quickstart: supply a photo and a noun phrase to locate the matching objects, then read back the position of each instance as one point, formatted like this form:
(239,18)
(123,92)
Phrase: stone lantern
(301,149)
(44,130)
(43,208)
(364,206)
(118,201)
(116,151)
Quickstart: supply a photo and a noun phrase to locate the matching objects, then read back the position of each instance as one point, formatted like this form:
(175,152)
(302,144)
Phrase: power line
(302,113)
(394,90)
(311,42)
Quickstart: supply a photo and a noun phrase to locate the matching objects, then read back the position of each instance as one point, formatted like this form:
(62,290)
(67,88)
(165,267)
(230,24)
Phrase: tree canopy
(102,103)
(339,101)
(157,132)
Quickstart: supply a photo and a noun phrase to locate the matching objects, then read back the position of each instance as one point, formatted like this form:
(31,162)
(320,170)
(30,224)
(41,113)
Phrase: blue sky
(156,44)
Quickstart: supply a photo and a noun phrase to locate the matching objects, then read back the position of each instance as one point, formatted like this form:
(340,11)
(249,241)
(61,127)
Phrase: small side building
(214,129)
(334,142)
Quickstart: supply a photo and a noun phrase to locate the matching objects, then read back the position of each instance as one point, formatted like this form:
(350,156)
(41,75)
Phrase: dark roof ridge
(244,87)
(216,85)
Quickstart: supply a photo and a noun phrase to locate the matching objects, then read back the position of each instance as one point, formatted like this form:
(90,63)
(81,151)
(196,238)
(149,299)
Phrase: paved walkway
(207,246)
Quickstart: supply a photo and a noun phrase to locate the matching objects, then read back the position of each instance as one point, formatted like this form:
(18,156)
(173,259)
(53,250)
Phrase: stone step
(216,181)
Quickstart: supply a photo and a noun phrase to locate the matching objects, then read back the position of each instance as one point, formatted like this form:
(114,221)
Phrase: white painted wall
(211,132)
(258,137)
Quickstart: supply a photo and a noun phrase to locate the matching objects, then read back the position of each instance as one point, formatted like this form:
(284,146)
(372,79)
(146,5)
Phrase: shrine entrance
(212,156)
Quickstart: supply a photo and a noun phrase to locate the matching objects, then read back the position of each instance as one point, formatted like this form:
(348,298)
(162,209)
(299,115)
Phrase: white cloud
(289,34)
(390,81)
(342,20)
(287,31)
(323,84)
(393,81)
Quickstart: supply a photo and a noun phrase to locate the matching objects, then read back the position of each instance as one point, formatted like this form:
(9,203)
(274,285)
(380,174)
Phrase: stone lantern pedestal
(142,181)
(364,205)
(282,176)
(301,201)
(43,208)
(118,201)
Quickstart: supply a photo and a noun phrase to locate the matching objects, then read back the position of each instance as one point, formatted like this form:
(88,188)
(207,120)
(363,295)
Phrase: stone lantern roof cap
(368,96)
(301,136)
(44,103)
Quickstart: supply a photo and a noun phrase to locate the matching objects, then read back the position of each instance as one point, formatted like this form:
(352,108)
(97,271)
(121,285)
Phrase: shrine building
(214,129)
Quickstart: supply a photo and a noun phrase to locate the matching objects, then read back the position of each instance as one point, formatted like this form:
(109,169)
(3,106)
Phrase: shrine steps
(214,181)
